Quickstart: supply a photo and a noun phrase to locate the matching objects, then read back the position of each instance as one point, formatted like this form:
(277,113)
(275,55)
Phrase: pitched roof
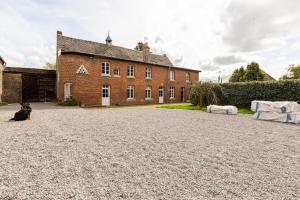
(269,76)
(2,61)
(73,45)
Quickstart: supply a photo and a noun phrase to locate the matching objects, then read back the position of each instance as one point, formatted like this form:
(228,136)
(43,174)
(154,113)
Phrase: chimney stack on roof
(59,33)
(146,52)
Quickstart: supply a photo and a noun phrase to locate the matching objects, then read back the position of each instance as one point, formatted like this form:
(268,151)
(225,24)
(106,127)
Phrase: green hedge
(241,94)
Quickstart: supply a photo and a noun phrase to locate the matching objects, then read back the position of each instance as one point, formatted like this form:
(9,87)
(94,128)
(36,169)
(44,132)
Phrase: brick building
(2,64)
(104,74)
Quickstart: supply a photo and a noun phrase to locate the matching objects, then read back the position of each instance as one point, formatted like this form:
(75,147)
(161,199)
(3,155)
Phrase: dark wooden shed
(28,85)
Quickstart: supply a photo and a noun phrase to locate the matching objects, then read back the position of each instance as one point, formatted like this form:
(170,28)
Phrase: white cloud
(209,35)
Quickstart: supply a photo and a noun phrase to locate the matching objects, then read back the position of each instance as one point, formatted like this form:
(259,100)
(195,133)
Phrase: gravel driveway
(146,153)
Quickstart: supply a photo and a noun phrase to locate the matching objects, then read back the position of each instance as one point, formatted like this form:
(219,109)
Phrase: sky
(212,36)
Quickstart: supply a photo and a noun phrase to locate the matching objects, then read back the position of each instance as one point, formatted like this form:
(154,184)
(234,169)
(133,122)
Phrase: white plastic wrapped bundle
(229,110)
(278,117)
(276,106)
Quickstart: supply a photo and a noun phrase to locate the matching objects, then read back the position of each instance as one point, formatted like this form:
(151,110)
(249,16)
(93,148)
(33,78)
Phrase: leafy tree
(139,46)
(205,93)
(251,73)
(294,73)
(50,66)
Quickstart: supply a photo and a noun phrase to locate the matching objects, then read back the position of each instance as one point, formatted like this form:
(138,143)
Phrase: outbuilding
(28,85)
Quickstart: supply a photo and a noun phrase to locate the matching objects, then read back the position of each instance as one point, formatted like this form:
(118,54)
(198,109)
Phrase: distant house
(104,74)
(269,77)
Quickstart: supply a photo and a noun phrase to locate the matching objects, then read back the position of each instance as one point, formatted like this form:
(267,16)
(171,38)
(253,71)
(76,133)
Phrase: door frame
(161,97)
(182,94)
(106,101)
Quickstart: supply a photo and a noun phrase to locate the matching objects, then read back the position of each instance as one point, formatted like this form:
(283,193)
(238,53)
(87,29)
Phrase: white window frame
(172,75)
(172,92)
(148,74)
(118,70)
(105,69)
(187,77)
(148,93)
(67,90)
(130,71)
(130,92)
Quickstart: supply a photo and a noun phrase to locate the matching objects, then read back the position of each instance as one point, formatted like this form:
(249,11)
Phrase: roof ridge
(99,43)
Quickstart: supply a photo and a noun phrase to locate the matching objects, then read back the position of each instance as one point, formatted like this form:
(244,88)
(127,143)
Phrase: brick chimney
(146,52)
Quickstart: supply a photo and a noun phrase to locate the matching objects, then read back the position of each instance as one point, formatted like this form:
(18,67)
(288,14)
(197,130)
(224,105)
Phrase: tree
(251,73)
(294,73)
(50,66)
(205,93)
(139,46)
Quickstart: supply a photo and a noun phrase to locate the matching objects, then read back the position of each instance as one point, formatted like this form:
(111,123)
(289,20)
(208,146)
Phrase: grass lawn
(3,103)
(192,107)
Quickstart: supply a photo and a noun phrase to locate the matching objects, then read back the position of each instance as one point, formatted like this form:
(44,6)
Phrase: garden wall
(241,94)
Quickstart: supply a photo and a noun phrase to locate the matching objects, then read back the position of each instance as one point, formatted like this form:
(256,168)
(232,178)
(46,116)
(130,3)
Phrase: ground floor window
(148,94)
(172,92)
(68,91)
(130,92)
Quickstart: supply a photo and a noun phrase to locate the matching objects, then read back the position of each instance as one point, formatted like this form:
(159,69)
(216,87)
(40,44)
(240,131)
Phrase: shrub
(68,102)
(241,94)
(206,93)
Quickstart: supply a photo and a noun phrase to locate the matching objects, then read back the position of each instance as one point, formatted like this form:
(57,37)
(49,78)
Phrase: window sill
(148,99)
(172,98)
(188,81)
(172,80)
(130,76)
(106,75)
(130,99)
(117,76)
(148,78)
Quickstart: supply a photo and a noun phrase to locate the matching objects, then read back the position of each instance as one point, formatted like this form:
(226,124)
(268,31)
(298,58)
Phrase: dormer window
(105,69)
(82,70)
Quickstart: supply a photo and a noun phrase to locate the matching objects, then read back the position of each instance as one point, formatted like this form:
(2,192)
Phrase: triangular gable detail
(82,70)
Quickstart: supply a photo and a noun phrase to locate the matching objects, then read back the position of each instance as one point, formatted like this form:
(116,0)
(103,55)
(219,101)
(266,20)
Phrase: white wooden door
(161,95)
(105,95)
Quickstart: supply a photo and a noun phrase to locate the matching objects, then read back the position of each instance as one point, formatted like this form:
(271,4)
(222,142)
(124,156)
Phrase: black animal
(22,114)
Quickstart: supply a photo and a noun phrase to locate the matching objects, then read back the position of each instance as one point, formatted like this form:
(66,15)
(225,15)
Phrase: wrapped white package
(275,106)
(293,117)
(229,110)
(271,116)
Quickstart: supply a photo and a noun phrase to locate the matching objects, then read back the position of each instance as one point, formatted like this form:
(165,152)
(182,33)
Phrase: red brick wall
(87,88)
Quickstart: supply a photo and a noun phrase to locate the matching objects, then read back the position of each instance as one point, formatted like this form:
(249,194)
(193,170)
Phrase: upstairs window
(82,70)
(148,94)
(172,75)
(172,92)
(148,72)
(130,71)
(130,92)
(117,72)
(187,77)
(105,69)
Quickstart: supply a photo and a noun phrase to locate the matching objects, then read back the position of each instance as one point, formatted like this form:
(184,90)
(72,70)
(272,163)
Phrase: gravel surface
(146,153)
